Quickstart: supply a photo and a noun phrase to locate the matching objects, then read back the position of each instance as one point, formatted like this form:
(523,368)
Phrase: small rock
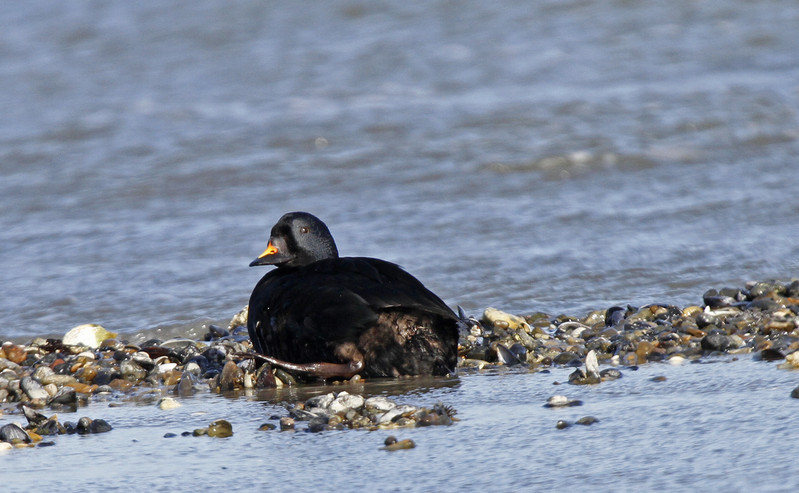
(399,445)
(562,401)
(504,320)
(15,354)
(286,423)
(507,357)
(220,429)
(345,401)
(34,389)
(587,420)
(716,341)
(132,371)
(99,426)
(676,360)
(232,377)
(84,426)
(90,335)
(379,403)
(561,424)
(322,401)
(12,433)
(395,414)
(168,403)
(609,374)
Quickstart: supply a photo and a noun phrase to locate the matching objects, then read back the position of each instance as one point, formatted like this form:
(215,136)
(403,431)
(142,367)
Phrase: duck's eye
(304,229)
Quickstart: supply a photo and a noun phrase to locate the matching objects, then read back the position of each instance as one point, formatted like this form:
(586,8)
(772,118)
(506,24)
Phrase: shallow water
(719,426)
(556,157)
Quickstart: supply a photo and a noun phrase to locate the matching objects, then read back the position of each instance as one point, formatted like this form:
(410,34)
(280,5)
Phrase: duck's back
(308,314)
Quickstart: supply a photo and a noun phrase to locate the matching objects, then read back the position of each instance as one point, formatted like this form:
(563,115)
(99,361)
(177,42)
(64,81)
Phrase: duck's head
(297,239)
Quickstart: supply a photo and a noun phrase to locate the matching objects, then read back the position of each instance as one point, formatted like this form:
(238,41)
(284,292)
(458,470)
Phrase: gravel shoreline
(90,364)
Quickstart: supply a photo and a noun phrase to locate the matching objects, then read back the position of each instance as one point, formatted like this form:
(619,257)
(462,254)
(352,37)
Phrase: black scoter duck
(326,316)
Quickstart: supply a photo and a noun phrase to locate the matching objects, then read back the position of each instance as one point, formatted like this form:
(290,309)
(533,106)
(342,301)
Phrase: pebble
(168,403)
(391,444)
(33,389)
(379,403)
(562,401)
(89,335)
(13,434)
(220,429)
(345,401)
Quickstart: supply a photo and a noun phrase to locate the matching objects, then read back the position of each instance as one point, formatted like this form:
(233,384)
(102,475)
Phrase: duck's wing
(329,301)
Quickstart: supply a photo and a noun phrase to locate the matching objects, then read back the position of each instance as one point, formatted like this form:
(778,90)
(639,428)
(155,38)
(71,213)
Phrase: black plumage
(330,316)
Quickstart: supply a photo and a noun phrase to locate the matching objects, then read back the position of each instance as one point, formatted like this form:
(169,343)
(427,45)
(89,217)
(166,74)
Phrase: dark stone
(50,427)
(12,433)
(610,374)
(771,354)
(215,356)
(105,376)
(568,358)
(614,315)
(795,393)
(716,341)
(587,421)
(35,418)
(99,426)
(215,332)
(713,299)
(704,319)
(763,304)
(66,396)
(84,426)
(121,355)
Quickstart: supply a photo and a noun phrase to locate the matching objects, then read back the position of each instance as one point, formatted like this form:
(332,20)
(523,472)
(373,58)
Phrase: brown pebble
(15,353)
(82,388)
(695,332)
(87,374)
(232,377)
(400,445)
(659,378)
(220,429)
(286,423)
(121,384)
(172,377)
